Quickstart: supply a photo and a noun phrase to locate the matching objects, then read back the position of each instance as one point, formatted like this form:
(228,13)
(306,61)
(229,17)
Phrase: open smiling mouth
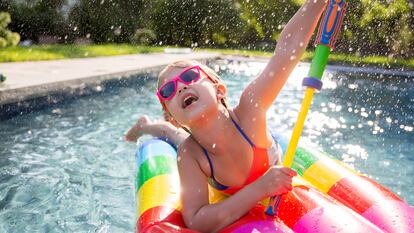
(189,101)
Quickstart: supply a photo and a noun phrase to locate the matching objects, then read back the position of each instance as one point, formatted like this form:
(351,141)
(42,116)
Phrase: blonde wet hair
(184,64)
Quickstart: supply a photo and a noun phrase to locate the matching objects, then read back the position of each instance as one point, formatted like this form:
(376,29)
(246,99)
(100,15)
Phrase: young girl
(230,149)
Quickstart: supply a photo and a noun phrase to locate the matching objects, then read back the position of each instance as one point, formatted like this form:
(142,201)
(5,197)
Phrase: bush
(143,36)
(7,38)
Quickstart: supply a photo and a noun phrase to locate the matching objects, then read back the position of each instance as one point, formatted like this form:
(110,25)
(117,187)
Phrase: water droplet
(214,145)
(408,128)
(352,86)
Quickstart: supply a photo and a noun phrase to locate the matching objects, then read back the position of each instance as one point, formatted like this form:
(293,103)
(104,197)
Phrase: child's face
(191,102)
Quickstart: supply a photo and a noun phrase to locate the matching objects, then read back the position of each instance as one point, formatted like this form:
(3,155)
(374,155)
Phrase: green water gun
(328,30)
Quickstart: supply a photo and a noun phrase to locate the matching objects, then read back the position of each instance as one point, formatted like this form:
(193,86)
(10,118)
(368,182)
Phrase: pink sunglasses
(190,75)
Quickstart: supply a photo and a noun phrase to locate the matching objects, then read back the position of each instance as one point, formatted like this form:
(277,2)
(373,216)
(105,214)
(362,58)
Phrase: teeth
(185,100)
(189,100)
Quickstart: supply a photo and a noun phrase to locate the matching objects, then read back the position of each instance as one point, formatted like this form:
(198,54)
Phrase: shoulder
(253,124)
(190,153)
(187,147)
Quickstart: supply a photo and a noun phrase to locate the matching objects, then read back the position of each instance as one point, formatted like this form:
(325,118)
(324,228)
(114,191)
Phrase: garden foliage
(7,37)
(372,27)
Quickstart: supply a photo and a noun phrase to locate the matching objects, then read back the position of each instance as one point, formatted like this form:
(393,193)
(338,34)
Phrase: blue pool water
(67,168)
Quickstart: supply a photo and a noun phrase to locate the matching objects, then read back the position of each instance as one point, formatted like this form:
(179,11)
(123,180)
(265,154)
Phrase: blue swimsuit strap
(241,131)
(212,179)
(216,183)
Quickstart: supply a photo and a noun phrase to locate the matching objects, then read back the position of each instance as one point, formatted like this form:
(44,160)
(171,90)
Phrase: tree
(377,27)
(198,22)
(7,37)
(34,18)
(108,20)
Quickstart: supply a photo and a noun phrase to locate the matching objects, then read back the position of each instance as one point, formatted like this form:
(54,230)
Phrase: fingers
(288,171)
(284,188)
(285,170)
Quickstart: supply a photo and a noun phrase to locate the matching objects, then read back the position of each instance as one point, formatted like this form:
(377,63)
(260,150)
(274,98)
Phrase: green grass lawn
(53,52)
(336,58)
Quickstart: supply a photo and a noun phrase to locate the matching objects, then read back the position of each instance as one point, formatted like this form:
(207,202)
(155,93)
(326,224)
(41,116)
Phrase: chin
(199,114)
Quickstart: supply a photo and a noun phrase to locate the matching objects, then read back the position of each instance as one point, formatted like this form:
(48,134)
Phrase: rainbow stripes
(372,208)
(361,194)
(157,188)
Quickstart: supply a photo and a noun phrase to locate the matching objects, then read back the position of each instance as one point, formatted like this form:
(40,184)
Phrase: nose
(181,87)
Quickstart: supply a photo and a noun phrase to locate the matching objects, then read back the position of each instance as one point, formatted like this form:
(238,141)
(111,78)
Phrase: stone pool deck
(28,80)
(38,83)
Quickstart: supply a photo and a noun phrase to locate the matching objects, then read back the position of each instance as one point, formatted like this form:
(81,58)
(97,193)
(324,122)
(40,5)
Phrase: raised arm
(293,40)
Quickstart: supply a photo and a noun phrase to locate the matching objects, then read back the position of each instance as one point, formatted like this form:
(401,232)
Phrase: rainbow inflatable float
(326,197)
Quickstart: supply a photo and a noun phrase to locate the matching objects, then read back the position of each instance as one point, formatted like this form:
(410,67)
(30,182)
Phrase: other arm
(162,129)
(202,216)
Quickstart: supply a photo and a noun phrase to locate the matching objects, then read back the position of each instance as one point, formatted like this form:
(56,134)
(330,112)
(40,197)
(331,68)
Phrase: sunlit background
(67,167)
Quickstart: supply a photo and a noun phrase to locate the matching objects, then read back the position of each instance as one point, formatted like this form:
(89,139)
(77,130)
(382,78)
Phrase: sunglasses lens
(167,90)
(190,75)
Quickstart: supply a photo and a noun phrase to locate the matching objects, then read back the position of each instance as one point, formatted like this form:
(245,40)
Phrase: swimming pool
(67,168)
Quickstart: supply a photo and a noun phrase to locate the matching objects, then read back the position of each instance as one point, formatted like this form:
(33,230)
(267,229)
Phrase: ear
(221,91)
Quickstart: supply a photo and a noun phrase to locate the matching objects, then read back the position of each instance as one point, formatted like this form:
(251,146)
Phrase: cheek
(207,89)
(173,108)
